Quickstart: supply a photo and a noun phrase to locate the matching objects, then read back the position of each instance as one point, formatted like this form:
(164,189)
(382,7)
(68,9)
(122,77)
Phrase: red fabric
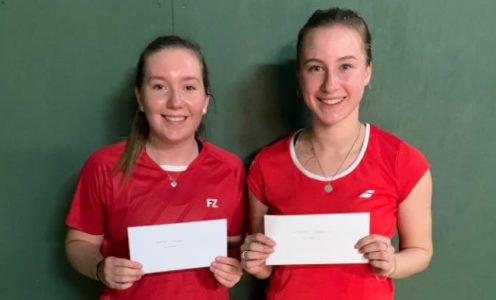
(389,167)
(101,205)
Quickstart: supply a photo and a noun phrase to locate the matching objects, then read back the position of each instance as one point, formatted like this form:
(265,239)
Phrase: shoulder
(384,138)
(107,156)
(222,156)
(277,149)
(389,145)
(275,157)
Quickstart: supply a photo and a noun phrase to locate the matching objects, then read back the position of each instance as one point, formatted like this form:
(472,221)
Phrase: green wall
(65,89)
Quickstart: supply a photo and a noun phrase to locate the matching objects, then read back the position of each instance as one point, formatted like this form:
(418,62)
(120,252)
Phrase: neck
(175,154)
(336,138)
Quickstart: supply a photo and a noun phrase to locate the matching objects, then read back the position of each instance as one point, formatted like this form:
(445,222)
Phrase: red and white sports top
(102,205)
(382,176)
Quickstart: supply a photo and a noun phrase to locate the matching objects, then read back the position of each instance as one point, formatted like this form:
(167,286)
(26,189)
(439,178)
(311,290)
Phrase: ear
(205,106)
(368,74)
(139,99)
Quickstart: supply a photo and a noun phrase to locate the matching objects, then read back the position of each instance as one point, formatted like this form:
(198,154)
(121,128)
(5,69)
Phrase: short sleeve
(87,211)
(411,165)
(236,224)
(255,179)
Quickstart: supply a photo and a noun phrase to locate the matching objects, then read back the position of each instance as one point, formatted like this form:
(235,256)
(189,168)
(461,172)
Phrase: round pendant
(328,188)
(173,183)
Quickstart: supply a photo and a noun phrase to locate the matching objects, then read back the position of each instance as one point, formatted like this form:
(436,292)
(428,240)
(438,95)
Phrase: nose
(329,82)
(173,99)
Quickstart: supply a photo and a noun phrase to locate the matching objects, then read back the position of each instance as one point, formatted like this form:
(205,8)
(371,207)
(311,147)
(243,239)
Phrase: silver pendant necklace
(328,186)
(173,181)
(174,168)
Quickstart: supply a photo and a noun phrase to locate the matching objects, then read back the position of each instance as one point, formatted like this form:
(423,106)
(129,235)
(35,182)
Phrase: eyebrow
(155,77)
(163,78)
(320,61)
(348,57)
(190,78)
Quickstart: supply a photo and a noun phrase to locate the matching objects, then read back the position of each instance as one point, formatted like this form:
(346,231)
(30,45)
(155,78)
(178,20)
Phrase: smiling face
(172,96)
(333,73)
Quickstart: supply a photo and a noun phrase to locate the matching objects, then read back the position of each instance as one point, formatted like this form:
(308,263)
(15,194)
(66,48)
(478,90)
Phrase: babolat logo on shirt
(367,194)
(212,203)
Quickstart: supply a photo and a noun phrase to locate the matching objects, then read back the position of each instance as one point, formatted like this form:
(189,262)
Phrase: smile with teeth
(332,101)
(174,118)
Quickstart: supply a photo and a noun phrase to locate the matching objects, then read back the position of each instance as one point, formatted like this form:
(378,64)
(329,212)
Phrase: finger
(224,282)
(228,261)
(125,279)
(253,270)
(225,267)
(380,264)
(257,247)
(374,247)
(118,270)
(225,278)
(253,264)
(253,255)
(260,238)
(373,238)
(121,286)
(225,274)
(122,262)
(379,255)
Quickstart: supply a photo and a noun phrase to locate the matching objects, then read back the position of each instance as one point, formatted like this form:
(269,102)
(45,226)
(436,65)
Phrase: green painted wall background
(65,89)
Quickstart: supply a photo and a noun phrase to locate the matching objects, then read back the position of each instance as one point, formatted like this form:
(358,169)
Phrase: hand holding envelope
(118,273)
(178,246)
(254,253)
(317,239)
(305,239)
(181,246)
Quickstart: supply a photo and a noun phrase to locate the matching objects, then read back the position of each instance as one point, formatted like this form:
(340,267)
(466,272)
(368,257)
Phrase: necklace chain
(328,186)
(173,181)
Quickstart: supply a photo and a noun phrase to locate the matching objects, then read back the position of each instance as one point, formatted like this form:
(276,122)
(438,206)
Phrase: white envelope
(316,239)
(178,246)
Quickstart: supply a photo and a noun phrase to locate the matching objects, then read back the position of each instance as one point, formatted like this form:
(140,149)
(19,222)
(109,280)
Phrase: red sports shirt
(101,205)
(382,176)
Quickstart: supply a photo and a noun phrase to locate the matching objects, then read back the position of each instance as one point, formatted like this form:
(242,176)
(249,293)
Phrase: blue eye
(315,68)
(345,67)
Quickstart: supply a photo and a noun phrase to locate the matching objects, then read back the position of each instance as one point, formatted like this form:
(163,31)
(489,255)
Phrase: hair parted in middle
(336,16)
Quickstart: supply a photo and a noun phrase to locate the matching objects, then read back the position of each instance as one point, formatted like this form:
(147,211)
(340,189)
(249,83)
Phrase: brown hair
(336,16)
(140,128)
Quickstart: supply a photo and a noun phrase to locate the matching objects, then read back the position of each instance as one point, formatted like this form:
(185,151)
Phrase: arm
(415,230)
(83,252)
(257,247)
(415,235)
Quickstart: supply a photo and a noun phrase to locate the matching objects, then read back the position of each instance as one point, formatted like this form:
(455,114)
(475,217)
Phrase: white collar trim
(172,168)
(339,175)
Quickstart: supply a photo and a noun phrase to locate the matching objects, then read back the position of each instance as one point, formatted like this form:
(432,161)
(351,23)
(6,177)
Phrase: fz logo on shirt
(212,203)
